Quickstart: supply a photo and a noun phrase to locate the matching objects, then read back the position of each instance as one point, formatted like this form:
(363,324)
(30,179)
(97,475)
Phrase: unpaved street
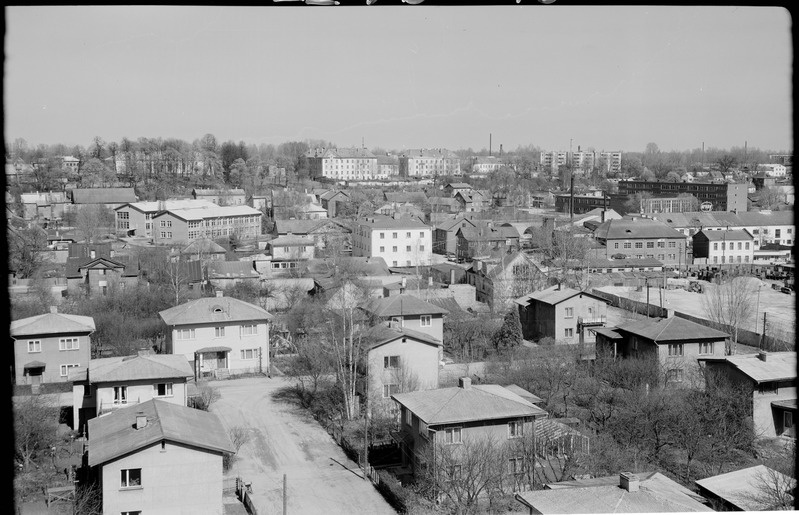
(286,440)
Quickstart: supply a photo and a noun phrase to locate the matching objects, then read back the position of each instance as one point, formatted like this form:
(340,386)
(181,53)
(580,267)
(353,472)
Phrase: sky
(403,76)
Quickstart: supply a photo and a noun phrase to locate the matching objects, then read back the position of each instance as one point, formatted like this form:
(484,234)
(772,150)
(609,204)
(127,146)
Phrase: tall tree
(732,303)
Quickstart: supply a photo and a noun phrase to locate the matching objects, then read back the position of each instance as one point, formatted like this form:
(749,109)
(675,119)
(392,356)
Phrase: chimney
(404,282)
(54,309)
(141,420)
(430,282)
(465,383)
(452,276)
(629,481)
(92,254)
(219,293)
(762,355)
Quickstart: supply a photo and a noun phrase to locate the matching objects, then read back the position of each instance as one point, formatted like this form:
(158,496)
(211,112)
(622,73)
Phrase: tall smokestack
(571,202)
(500,150)
(489,144)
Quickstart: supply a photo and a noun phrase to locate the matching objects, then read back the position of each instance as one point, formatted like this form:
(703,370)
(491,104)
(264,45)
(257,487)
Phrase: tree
(634,202)
(694,204)
(93,220)
(96,174)
(25,246)
(646,175)
(509,334)
(35,430)
(726,163)
(731,303)
(673,177)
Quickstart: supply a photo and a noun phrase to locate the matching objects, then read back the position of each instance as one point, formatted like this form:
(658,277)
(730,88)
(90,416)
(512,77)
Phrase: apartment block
(400,242)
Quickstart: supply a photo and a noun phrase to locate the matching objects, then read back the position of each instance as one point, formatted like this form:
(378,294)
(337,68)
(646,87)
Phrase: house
(203,250)
(483,165)
(185,225)
(770,377)
(676,343)
(424,162)
(144,454)
(734,246)
(136,218)
(262,203)
(400,209)
(743,490)
(219,335)
(326,233)
(766,226)
(349,164)
(387,166)
(477,240)
(647,492)
(48,346)
(110,198)
(332,201)
(399,241)
(401,197)
(405,311)
(436,422)
(473,201)
(561,313)
(641,238)
(44,206)
(499,280)
(100,274)
(311,212)
(400,360)
(292,248)
(442,207)
(221,197)
(226,274)
(107,384)
(445,239)
(609,266)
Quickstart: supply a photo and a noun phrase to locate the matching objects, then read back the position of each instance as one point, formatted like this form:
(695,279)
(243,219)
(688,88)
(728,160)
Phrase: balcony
(592,321)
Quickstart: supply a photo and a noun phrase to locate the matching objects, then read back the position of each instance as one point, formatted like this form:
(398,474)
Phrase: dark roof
(203,246)
(103,195)
(401,305)
(381,335)
(732,235)
(232,269)
(115,434)
(634,229)
(149,366)
(73,266)
(554,295)
(84,250)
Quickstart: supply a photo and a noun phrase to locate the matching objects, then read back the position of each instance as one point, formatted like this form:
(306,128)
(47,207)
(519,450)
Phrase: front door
(35,375)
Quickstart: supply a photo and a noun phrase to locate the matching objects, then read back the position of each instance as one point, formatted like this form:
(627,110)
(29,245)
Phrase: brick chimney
(465,383)
(141,420)
(629,481)
(762,355)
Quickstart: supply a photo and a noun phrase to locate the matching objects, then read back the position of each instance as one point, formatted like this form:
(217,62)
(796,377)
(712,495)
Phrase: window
(131,478)
(421,234)
(675,349)
(389,390)
(628,245)
(661,244)
(249,329)
(65,368)
(184,334)
(421,248)
(393,249)
(394,235)
(639,244)
(382,235)
(166,223)
(68,344)
(616,245)
(162,389)
(382,249)
(249,353)
(516,465)
(675,376)
(569,332)
(120,395)
(407,235)
(426,320)
(569,312)
(515,429)
(746,246)
(407,248)
(219,332)
(767,387)
(409,417)
(787,420)
(34,346)
(650,244)
(705,347)
(452,435)
(391,361)
(672,244)
(454,473)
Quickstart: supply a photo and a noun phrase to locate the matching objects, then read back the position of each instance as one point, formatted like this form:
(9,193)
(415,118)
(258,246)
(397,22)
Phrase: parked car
(775,286)
(785,289)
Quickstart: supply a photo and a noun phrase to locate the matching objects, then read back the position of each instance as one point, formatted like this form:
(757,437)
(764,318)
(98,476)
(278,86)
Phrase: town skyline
(621,77)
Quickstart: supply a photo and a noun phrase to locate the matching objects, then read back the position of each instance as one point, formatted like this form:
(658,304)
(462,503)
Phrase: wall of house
(688,361)
(101,397)
(669,254)
(168,228)
(177,479)
(419,240)
(435,329)
(762,411)
(294,252)
(51,356)
(583,307)
(205,336)
(419,364)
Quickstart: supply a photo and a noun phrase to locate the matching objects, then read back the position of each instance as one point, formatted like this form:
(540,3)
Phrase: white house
(400,242)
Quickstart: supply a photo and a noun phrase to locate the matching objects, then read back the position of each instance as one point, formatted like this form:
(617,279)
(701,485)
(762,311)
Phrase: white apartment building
(582,160)
(136,218)
(728,247)
(774,170)
(400,241)
(428,162)
(351,164)
(186,225)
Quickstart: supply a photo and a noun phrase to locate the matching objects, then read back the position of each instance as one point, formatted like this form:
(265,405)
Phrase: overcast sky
(397,77)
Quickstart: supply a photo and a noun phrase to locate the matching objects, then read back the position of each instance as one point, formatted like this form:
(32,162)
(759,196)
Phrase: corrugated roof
(129,368)
(52,323)
(103,195)
(477,402)
(656,494)
(401,305)
(778,366)
(115,435)
(213,309)
(671,329)
(741,487)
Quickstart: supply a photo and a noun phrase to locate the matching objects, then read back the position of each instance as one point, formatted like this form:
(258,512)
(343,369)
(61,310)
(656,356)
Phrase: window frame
(74,342)
(676,350)
(64,368)
(219,331)
(126,482)
(515,429)
(449,435)
(426,321)
(391,362)
(169,390)
(34,346)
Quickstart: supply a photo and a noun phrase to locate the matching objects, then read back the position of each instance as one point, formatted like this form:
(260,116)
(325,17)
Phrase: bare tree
(731,303)
(35,425)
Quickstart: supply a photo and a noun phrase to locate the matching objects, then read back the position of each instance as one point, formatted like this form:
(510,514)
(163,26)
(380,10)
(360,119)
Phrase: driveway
(286,440)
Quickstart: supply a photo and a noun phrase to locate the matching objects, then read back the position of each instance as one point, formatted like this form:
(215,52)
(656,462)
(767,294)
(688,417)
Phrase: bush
(393,491)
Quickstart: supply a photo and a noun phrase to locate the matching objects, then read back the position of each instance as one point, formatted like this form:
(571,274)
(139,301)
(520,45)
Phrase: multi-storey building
(641,238)
(722,196)
(734,246)
(342,164)
(221,197)
(400,241)
(612,161)
(563,314)
(773,170)
(483,165)
(667,205)
(185,225)
(387,166)
(429,162)
(581,161)
(136,218)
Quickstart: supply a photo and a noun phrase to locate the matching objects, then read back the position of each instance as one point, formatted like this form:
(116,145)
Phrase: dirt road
(285,440)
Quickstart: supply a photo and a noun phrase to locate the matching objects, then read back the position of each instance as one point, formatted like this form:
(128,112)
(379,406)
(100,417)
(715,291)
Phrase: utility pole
(763,334)
(646,282)
(285,498)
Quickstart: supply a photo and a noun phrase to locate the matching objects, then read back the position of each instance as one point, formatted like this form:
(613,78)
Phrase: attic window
(628,230)
(217,309)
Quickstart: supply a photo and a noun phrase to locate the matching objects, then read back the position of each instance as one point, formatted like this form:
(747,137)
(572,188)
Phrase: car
(785,289)
(775,286)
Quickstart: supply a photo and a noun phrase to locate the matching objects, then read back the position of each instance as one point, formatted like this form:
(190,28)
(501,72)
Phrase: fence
(243,491)
(635,306)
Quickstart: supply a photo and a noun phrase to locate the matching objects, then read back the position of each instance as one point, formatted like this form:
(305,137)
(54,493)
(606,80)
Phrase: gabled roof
(656,494)
(449,225)
(554,295)
(232,269)
(52,323)
(386,222)
(729,235)
(362,266)
(401,305)
(477,233)
(223,192)
(130,368)
(84,250)
(300,227)
(741,487)
(115,435)
(633,229)
(405,196)
(203,246)
(73,266)
(291,241)
(155,205)
(777,367)
(476,402)
(380,335)
(458,185)
(330,195)
(664,330)
(103,195)
(207,310)
(211,212)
